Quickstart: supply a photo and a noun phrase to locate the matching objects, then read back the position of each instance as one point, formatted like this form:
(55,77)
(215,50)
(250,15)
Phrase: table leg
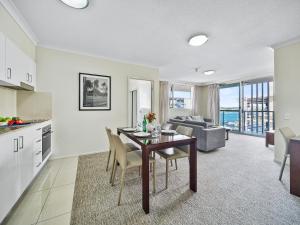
(145,178)
(267,140)
(227,135)
(193,166)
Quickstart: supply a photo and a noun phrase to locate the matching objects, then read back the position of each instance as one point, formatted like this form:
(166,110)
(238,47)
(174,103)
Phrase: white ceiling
(155,33)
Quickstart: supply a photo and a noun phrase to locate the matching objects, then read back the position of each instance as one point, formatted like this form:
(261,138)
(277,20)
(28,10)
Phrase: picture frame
(94,92)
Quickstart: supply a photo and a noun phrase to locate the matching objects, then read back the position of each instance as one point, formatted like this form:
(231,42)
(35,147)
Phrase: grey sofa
(208,139)
(194,120)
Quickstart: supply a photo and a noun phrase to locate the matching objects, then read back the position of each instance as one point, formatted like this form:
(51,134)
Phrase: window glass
(181,97)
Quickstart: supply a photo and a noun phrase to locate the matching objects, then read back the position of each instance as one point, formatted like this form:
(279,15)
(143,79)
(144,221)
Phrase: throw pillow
(198,118)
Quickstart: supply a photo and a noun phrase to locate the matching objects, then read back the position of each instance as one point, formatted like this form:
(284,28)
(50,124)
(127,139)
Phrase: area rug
(237,184)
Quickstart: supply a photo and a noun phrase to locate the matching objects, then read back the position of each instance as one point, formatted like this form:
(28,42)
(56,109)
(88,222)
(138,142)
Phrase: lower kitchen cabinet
(20,161)
(9,173)
(25,158)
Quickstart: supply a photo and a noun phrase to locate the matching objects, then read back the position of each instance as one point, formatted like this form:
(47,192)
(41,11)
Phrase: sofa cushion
(177,120)
(198,118)
(189,118)
(197,123)
(180,118)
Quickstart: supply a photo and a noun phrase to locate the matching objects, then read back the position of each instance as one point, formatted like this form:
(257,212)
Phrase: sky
(229,97)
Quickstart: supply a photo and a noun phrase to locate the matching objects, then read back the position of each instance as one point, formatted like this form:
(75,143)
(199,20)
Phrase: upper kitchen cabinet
(28,71)
(13,63)
(2,57)
(17,69)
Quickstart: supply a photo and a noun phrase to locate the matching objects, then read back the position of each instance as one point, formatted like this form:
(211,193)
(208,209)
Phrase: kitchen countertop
(6,129)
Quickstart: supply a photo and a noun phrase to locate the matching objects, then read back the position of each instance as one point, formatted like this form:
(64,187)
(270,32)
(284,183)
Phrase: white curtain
(196,105)
(213,104)
(163,101)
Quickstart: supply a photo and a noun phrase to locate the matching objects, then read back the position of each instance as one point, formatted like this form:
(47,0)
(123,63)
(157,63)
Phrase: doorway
(139,100)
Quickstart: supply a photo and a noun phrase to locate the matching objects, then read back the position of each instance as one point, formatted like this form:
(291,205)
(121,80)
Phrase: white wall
(287,94)
(7,102)
(79,132)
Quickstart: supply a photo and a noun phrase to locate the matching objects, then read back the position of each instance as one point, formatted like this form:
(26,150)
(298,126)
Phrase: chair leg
(167,170)
(154,177)
(109,153)
(171,162)
(122,185)
(176,164)
(114,173)
(139,171)
(282,167)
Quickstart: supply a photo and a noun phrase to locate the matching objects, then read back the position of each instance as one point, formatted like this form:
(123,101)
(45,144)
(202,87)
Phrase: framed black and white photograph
(94,92)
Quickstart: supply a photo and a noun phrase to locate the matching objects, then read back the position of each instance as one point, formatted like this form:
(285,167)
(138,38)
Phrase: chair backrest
(287,134)
(121,151)
(184,130)
(166,126)
(111,144)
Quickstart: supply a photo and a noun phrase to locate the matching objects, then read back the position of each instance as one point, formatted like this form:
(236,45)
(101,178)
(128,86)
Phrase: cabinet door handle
(27,77)
(30,78)
(16,144)
(38,141)
(38,165)
(8,73)
(39,152)
(21,140)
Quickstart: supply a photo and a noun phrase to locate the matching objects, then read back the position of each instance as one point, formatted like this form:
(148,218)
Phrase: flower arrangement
(151,117)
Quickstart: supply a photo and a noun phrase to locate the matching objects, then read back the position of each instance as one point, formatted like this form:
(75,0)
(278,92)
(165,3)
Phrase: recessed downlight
(77,4)
(209,72)
(198,40)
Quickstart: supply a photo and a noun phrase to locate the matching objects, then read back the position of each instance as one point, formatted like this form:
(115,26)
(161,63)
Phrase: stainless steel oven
(46,141)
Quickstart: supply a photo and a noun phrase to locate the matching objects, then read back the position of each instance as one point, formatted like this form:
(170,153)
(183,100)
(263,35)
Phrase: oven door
(46,144)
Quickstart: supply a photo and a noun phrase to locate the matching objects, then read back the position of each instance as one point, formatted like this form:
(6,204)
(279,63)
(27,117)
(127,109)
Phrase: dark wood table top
(163,140)
(295,139)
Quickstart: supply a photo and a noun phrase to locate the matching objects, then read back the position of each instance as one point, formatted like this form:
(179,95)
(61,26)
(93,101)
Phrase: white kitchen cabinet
(29,71)
(25,157)
(37,150)
(9,172)
(13,63)
(2,57)
(20,161)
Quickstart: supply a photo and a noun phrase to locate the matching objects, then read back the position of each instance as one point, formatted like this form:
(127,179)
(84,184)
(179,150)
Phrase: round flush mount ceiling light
(198,40)
(77,4)
(209,72)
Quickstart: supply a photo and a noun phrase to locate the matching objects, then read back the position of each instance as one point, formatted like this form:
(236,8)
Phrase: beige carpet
(236,185)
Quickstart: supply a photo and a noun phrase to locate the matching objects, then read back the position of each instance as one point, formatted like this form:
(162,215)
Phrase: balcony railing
(250,122)
(230,118)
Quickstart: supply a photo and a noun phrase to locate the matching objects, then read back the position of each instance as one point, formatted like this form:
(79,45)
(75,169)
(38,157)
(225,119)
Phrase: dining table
(162,141)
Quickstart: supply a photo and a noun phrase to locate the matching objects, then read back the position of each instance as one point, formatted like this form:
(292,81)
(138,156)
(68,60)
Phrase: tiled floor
(49,199)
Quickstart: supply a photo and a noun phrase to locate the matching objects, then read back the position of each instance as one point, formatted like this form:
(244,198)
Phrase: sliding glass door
(247,107)
(230,106)
(258,112)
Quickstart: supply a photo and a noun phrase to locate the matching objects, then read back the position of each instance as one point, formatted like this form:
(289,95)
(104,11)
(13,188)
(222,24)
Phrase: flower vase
(150,127)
